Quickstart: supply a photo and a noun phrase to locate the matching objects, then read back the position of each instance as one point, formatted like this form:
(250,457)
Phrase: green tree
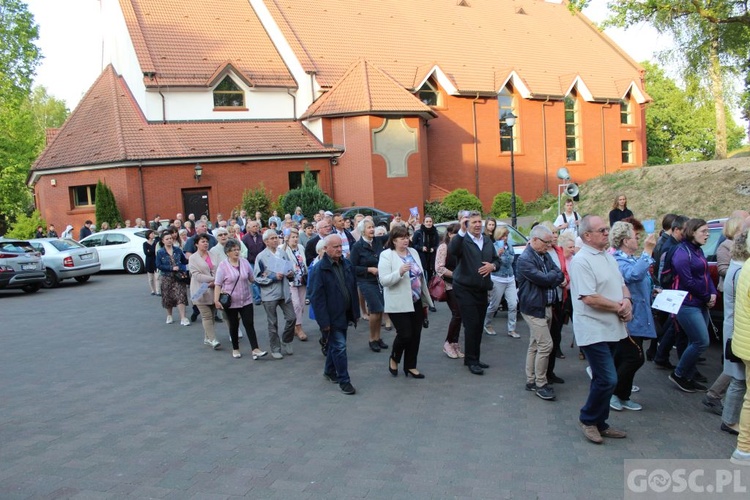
(308,196)
(19,56)
(438,211)
(501,205)
(461,199)
(257,200)
(712,39)
(25,225)
(106,206)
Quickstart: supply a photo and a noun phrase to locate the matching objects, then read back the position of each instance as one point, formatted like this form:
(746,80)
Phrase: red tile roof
(186,42)
(476,46)
(107,126)
(364,89)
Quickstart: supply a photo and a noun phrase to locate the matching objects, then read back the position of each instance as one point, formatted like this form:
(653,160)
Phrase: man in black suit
(477,259)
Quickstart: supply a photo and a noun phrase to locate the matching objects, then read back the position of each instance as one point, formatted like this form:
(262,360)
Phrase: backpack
(666,272)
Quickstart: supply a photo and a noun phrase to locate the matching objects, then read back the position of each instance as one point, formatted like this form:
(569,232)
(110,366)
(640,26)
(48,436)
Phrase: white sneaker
(449,350)
(635,389)
(615,403)
(740,457)
(215,344)
(490,330)
(185,322)
(169,320)
(277,355)
(287,348)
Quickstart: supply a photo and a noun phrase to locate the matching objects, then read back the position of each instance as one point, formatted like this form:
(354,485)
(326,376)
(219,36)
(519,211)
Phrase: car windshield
(16,247)
(709,249)
(63,245)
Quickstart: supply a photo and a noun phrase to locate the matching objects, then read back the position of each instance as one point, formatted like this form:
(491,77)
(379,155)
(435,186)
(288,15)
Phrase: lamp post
(510,121)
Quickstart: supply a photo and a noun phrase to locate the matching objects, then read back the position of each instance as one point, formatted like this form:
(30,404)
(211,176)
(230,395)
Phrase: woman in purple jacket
(691,274)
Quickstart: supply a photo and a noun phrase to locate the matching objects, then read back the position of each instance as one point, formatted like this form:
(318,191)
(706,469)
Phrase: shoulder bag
(225,299)
(436,286)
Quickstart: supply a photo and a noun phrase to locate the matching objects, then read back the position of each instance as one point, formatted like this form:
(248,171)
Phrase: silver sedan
(65,259)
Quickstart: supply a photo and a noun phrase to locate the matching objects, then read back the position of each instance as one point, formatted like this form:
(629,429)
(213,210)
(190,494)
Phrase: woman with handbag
(405,293)
(298,286)
(233,294)
(503,284)
(202,271)
(172,264)
(444,266)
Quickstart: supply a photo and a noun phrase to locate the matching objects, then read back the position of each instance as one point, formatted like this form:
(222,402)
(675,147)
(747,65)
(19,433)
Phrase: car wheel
(51,280)
(82,279)
(133,264)
(32,288)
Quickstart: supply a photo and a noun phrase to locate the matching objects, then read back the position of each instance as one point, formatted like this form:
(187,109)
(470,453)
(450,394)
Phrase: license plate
(28,267)
(86,256)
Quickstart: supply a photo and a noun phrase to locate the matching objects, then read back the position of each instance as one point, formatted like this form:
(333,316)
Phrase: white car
(119,249)
(65,259)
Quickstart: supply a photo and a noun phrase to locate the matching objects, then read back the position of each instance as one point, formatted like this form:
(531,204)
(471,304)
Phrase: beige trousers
(540,348)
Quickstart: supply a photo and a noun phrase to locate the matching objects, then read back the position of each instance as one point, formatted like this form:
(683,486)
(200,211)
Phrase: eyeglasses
(601,230)
(546,242)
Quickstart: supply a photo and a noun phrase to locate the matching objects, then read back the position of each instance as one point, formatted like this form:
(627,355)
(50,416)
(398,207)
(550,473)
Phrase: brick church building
(389,103)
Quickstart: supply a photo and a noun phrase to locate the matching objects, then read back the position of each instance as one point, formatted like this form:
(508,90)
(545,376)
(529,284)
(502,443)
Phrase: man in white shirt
(569,219)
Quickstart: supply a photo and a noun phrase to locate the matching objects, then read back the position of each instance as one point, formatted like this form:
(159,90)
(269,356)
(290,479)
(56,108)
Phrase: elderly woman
(691,275)
(634,268)
(234,276)
(202,270)
(298,287)
(405,293)
(445,263)
(733,368)
(503,283)
(562,310)
(732,227)
(364,256)
(169,261)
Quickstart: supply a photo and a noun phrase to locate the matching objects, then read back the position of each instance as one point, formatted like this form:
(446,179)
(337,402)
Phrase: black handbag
(225,299)
(183,277)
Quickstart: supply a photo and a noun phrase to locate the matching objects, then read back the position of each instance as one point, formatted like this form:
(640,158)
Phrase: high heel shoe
(394,371)
(415,375)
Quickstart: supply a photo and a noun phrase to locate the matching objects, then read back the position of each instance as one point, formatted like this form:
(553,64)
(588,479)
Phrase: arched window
(228,94)
(429,93)
(507,104)
(572,128)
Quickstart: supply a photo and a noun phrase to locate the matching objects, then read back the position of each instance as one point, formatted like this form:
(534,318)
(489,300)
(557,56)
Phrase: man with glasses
(324,229)
(601,307)
(476,260)
(538,277)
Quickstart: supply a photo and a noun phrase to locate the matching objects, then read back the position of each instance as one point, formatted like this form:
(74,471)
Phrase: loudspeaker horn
(572,190)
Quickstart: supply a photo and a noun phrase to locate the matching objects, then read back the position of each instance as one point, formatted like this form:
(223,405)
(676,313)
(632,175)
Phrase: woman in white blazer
(405,293)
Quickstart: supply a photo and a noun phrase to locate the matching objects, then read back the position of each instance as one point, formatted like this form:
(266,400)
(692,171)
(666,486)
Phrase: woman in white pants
(503,285)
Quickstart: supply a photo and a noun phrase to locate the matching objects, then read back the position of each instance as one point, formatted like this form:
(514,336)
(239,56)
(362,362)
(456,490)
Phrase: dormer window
(228,94)
(429,93)
(626,112)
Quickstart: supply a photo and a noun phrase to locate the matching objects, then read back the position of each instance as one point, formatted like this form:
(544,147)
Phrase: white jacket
(397,288)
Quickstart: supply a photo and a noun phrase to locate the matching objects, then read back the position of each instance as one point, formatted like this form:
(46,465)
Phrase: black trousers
(454,327)
(473,306)
(248,321)
(628,359)
(408,335)
(555,331)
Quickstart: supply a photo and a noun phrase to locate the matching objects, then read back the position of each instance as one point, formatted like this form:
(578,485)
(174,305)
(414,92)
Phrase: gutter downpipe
(545,104)
(607,105)
(476,143)
(294,104)
(143,194)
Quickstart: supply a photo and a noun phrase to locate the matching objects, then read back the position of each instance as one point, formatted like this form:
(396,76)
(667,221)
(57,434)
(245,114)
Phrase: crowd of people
(600,276)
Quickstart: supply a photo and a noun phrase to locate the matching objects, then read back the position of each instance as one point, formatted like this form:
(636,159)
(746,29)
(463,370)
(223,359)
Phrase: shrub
(544,202)
(106,206)
(438,211)
(25,226)
(461,199)
(501,205)
(308,196)
(257,200)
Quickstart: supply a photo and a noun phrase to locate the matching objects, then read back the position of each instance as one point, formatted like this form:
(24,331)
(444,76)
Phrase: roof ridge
(119,130)
(137,38)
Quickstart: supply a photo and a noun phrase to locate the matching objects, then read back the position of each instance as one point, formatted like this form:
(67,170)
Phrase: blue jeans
(336,357)
(733,401)
(601,358)
(256,288)
(694,322)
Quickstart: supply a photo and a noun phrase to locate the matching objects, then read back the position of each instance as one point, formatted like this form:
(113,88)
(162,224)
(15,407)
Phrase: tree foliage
(461,199)
(257,200)
(25,226)
(438,211)
(501,205)
(106,206)
(19,56)
(308,196)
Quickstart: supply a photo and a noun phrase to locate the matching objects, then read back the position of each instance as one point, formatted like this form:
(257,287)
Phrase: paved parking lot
(101,399)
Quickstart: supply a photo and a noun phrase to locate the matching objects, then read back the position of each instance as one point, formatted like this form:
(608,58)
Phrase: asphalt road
(101,399)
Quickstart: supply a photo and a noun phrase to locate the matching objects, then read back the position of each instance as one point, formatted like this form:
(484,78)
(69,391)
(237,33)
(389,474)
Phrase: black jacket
(470,259)
(364,255)
(534,281)
(325,296)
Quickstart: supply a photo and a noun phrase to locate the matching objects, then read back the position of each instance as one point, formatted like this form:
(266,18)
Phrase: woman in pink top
(235,276)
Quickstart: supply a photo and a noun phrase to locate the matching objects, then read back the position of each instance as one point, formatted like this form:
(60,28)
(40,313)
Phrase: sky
(70,37)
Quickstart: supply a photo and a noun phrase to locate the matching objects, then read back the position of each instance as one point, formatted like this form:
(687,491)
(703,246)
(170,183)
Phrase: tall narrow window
(507,104)
(626,112)
(228,94)
(429,93)
(627,152)
(572,129)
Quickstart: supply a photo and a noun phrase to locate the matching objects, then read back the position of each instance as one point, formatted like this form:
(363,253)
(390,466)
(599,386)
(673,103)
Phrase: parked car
(65,259)
(119,249)
(715,237)
(20,266)
(379,217)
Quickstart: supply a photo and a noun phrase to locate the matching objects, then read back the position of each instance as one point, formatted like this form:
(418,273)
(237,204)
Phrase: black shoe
(394,371)
(331,377)
(374,346)
(425,323)
(382,344)
(530,386)
(698,386)
(554,379)
(193,317)
(726,428)
(683,383)
(347,388)
(650,356)
(482,365)
(699,377)
(664,364)
(559,355)
(546,392)
(415,375)
(218,319)
(476,369)
(432,309)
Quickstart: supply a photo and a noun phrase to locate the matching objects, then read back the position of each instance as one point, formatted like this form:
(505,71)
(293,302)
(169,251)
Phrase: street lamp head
(563,174)
(510,120)
(198,172)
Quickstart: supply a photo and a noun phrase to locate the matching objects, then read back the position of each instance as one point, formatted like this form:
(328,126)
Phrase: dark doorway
(196,202)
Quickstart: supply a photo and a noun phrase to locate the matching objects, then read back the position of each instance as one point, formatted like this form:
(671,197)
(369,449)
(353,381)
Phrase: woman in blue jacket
(635,271)
(170,260)
(690,270)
